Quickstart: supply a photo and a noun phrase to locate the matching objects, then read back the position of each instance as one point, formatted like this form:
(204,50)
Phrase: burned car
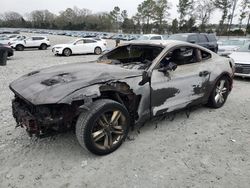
(125,87)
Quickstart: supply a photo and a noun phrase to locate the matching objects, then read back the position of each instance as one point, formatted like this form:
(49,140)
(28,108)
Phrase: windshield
(178,37)
(245,48)
(232,43)
(132,56)
(72,42)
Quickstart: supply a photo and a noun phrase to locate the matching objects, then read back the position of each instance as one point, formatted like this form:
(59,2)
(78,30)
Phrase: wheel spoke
(98,135)
(222,83)
(106,141)
(100,122)
(110,140)
(115,117)
(221,98)
(224,90)
(217,97)
(117,132)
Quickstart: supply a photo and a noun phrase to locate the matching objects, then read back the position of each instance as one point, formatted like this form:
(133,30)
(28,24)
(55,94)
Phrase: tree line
(151,16)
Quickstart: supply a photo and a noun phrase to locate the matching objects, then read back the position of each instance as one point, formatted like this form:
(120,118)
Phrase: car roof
(158,42)
(165,43)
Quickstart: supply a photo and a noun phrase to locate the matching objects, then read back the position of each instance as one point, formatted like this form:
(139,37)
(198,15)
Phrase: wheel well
(66,49)
(122,93)
(43,44)
(228,78)
(98,47)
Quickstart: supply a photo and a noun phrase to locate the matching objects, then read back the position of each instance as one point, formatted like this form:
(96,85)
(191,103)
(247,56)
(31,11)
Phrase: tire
(43,47)
(67,52)
(109,136)
(19,47)
(219,93)
(98,51)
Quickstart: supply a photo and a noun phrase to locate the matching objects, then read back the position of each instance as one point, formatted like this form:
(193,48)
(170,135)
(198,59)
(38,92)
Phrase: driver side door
(177,89)
(78,47)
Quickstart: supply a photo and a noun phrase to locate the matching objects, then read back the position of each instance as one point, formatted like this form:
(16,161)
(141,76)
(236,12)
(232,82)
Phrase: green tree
(146,10)
(160,13)
(115,17)
(185,8)
(244,8)
(175,28)
(224,6)
(203,10)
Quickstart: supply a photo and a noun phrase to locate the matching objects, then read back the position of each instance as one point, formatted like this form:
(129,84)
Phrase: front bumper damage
(42,121)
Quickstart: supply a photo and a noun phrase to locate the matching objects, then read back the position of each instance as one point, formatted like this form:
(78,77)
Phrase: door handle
(204,73)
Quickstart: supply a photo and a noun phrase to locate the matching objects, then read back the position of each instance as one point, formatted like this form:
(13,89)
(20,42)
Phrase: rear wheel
(67,52)
(43,47)
(220,93)
(104,127)
(98,51)
(19,47)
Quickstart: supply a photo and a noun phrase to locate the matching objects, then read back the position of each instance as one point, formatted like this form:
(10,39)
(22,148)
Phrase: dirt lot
(209,149)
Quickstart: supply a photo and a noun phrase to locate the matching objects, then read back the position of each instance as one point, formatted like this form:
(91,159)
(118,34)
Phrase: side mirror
(145,78)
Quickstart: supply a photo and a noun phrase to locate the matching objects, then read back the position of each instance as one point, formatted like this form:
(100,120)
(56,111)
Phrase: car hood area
(241,57)
(50,85)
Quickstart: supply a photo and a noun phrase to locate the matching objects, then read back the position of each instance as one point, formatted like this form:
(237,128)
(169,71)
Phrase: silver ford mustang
(125,87)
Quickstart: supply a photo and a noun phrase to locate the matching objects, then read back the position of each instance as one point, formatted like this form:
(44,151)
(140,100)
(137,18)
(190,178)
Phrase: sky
(55,6)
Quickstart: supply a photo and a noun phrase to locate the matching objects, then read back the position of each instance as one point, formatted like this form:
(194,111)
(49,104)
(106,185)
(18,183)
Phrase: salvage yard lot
(209,149)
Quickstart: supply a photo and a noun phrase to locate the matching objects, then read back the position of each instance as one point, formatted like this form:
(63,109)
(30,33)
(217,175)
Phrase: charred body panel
(53,98)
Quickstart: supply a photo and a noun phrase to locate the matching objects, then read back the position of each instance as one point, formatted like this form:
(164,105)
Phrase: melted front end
(43,120)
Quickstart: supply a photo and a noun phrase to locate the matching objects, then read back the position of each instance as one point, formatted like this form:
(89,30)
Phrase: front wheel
(98,51)
(19,47)
(220,93)
(103,128)
(67,52)
(43,47)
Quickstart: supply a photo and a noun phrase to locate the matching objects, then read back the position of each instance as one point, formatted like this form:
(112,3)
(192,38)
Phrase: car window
(140,56)
(205,55)
(183,56)
(203,38)
(89,41)
(156,38)
(193,38)
(181,37)
(79,42)
(37,38)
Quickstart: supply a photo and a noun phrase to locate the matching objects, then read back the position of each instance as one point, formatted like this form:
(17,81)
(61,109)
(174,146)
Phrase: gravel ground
(209,149)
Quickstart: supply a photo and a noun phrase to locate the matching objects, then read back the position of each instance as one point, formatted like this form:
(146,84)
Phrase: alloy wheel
(109,129)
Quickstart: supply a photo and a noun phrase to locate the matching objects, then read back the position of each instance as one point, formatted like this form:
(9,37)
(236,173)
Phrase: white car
(6,40)
(80,46)
(40,42)
(242,61)
(226,47)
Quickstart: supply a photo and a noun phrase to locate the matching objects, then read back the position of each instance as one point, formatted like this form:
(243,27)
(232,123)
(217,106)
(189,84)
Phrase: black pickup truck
(208,41)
